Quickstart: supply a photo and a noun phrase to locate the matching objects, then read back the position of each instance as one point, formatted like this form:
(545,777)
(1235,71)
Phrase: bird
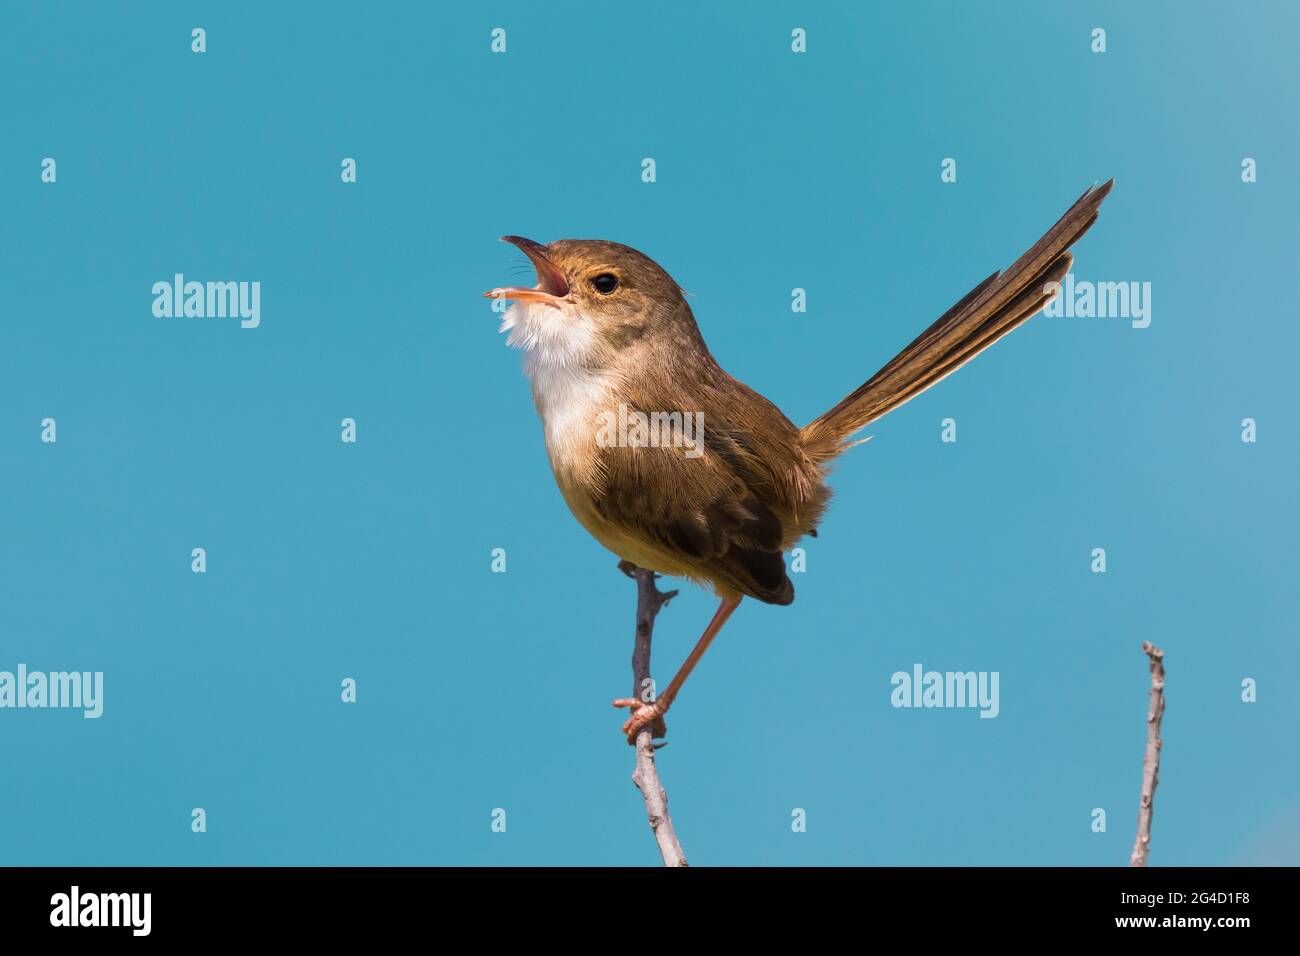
(608,338)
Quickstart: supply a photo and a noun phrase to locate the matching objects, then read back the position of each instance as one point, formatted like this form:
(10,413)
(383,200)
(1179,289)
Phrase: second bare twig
(1151,762)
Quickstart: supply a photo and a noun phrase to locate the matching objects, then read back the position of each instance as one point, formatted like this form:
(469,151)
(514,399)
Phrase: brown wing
(723,513)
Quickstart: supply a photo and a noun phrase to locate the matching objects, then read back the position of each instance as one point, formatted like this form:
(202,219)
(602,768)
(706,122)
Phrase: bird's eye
(605,283)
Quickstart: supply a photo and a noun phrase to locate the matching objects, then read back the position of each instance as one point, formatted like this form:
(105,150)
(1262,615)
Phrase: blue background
(775,170)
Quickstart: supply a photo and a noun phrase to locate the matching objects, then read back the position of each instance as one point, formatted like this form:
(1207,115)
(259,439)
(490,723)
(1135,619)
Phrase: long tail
(989,311)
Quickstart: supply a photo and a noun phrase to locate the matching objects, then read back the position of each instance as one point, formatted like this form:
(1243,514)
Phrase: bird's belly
(627,546)
(570,404)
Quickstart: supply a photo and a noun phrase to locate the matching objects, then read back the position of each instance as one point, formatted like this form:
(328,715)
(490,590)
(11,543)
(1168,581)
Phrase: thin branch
(1151,762)
(649,599)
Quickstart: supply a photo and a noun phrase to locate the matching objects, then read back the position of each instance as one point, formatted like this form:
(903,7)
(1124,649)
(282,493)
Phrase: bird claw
(643,713)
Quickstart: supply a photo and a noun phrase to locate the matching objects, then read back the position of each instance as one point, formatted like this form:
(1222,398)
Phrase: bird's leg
(643,712)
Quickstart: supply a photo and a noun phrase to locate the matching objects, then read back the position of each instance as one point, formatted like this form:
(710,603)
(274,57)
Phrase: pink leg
(643,712)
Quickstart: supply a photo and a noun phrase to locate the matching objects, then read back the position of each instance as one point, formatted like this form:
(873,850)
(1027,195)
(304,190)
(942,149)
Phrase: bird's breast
(569,400)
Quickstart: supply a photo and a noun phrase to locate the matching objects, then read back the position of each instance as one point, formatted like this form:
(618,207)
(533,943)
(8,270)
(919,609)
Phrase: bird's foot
(643,713)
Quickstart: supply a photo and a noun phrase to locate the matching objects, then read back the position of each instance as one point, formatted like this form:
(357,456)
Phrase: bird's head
(591,298)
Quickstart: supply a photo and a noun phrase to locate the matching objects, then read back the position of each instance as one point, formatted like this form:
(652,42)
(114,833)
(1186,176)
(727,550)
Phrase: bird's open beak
(551,286)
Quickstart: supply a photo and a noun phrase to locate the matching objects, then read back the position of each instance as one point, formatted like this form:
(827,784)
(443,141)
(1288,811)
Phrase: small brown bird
(677,467)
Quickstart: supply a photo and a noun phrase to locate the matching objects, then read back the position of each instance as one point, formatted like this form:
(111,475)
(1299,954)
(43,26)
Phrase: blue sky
(775,170)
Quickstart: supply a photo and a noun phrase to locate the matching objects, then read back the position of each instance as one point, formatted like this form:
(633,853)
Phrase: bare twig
(649,599)
(1151,762)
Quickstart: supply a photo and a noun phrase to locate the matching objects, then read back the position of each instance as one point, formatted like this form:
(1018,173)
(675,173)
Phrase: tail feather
(1019,310)
(989,311)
